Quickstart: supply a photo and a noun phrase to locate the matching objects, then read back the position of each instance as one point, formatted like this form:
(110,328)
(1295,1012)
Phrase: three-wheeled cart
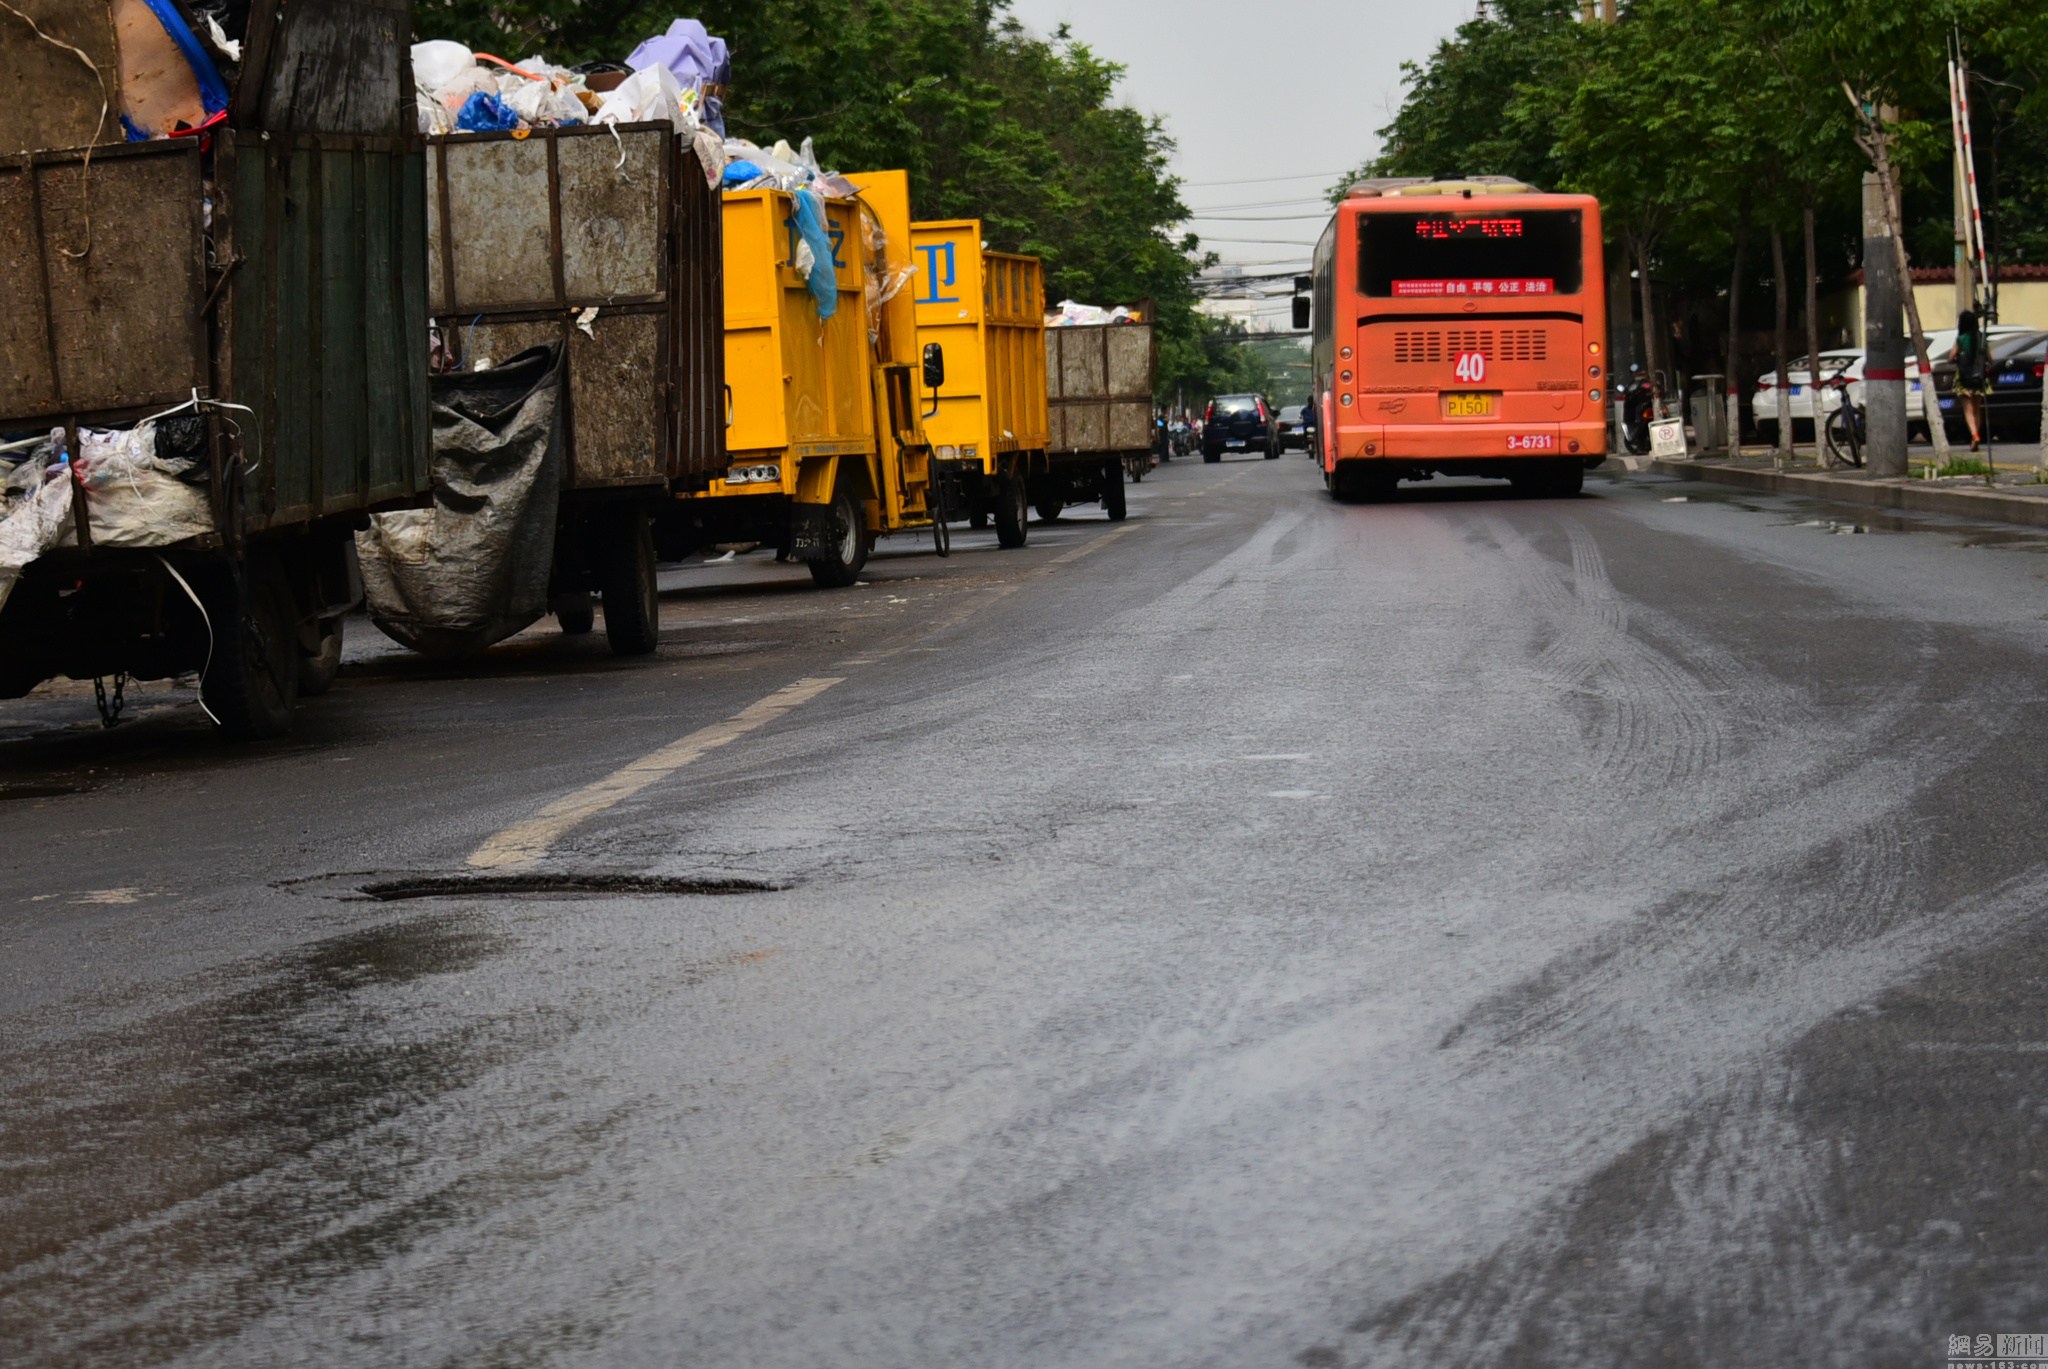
(826,448)
(989,428)
(244,307)
(1099,380)
(607,243)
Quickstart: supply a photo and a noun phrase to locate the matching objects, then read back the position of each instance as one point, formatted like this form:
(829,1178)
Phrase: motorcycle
(1638,412)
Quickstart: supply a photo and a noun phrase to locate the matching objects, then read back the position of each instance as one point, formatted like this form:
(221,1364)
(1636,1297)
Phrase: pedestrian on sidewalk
(1973,382)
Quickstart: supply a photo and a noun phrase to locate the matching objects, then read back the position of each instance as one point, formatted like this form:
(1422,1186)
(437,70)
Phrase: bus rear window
(1487,253)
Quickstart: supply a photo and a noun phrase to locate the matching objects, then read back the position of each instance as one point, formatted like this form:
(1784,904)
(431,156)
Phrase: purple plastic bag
(689,51)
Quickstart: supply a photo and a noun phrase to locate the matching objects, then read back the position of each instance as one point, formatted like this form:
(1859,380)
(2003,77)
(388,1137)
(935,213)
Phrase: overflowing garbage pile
(1072,315)
(144,486)
(680,76)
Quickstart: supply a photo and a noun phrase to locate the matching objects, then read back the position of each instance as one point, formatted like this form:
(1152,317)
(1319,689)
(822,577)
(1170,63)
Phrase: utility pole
(1884,340)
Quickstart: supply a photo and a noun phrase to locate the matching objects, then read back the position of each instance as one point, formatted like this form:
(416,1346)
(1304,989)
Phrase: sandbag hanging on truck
(474,568)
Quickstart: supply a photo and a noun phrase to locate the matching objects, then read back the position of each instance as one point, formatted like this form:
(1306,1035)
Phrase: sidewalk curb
(1915,496)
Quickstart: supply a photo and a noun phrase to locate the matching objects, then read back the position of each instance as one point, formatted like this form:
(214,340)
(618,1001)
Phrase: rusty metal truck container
(1099,381)
(826,447)
(271,279)
(608,243)
(989,429)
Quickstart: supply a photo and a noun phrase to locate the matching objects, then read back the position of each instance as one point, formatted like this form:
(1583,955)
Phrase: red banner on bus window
(1441,289)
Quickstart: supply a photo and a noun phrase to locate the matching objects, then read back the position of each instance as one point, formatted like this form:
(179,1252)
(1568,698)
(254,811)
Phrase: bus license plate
(1532,442)
(1468,406)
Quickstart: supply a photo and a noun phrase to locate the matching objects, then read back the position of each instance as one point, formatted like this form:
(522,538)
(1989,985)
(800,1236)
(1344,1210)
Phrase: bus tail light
(1372,449)
(1593,395)
(1345,400)
(1572,447)
(1594,349)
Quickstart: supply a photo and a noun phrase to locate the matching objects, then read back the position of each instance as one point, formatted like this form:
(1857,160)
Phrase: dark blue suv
(1241,423)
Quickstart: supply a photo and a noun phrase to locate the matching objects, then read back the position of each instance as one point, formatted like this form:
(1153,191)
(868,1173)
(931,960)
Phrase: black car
(1289,430)
(2014,376)
(1242,423)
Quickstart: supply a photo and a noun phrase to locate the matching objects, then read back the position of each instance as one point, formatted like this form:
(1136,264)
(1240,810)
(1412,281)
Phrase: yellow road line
(1067,558)
(521,846)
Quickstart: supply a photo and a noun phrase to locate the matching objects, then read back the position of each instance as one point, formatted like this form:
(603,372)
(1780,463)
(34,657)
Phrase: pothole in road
(560,886)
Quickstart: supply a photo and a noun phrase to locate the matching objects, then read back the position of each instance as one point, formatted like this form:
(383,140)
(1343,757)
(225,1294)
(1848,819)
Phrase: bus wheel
(1113,491)
(632,600)
(839,567)
(1565,479)
(1013,512)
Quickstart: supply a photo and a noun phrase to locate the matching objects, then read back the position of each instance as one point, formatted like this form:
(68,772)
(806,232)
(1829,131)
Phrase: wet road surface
(1466,931)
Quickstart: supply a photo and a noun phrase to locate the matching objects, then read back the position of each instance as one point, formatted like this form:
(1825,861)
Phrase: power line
(1267,180)
(1251,218)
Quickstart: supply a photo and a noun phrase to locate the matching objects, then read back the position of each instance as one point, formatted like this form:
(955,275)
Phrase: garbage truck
(600,244)
(989,433)
(1099,383)
(209,361)
(825,381)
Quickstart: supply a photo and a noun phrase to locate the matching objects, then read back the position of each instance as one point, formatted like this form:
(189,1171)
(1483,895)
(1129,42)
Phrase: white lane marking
(522,845)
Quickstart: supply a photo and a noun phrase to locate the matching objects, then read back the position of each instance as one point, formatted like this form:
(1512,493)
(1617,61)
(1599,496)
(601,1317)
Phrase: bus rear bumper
(1447,448)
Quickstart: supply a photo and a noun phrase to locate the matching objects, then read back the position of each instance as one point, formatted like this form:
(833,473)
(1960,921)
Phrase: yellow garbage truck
(826,386)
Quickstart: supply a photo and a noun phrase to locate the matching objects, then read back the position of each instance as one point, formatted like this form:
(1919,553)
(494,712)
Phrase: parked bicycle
(1844,431)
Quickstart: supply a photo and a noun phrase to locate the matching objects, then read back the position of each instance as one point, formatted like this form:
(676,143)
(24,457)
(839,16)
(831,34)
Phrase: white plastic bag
(646,96)
(41,524)
(131,498)
(437,64)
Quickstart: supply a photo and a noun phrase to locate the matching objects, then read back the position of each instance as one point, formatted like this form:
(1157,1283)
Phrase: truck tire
(251,684)
(1113,491)
(576,613)
(317,672)
(1049,507)
(840,567)
(632,602)
(1013,513)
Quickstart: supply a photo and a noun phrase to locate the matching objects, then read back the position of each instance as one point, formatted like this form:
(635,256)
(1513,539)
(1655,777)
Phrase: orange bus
(1460,328)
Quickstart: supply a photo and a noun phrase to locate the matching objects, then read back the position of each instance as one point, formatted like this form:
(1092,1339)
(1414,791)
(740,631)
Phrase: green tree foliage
(992,122)
(1692,118)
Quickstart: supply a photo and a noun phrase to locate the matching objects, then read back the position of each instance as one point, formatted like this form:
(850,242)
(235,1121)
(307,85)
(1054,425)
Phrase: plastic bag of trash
(32,527)
(821,272)
(647,96)
(132,497)
(473,569)
(698,61)
(485,113)
(437,64)
(167,81)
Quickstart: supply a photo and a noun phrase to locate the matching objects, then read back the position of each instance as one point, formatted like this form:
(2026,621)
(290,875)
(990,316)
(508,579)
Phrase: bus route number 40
(1471,368)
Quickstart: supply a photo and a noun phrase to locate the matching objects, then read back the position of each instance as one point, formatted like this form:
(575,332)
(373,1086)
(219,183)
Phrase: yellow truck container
(986,310)
(824,442)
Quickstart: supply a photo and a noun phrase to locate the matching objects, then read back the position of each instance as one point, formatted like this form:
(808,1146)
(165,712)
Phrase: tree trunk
(1734,367)
(1783,343)
(1930,407)
(1813,370)
(1652,352)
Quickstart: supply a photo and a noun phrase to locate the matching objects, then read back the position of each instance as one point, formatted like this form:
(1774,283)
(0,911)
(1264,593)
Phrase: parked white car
(1799,375)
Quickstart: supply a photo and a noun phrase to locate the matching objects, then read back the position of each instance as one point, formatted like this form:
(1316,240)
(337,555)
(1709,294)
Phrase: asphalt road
(1468,931)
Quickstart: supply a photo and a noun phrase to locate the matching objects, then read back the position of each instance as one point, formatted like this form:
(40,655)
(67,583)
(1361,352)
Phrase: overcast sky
(1275,88)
